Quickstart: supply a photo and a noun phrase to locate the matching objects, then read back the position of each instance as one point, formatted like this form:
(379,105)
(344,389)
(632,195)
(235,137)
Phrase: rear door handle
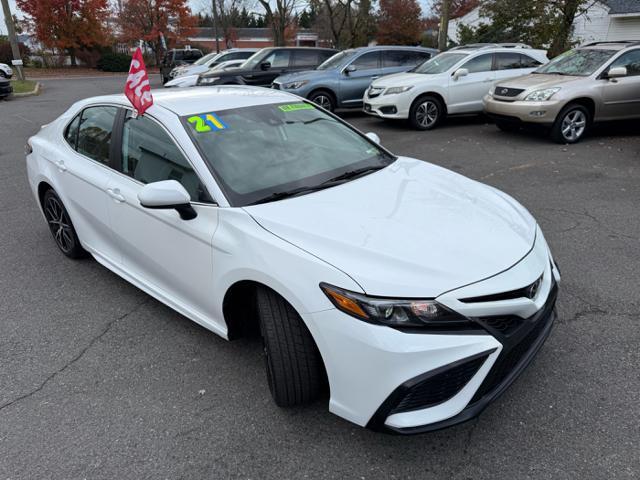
(61,166)
(115,194)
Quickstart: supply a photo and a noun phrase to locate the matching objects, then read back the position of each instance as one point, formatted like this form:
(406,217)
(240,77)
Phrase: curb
(35,91)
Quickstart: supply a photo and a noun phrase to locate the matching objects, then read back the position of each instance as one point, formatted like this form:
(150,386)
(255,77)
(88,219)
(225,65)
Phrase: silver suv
(596,82)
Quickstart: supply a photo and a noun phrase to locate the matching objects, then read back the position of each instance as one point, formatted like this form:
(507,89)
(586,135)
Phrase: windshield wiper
(313,188)
(354,173)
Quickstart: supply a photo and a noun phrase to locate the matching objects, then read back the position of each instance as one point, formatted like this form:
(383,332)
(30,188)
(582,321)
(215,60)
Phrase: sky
(196,5)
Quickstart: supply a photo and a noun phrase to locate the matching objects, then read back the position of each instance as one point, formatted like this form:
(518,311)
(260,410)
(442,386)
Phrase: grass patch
(23,86)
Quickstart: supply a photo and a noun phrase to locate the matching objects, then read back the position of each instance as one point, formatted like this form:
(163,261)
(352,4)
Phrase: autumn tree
(68,25)
(149,19)
(399,22)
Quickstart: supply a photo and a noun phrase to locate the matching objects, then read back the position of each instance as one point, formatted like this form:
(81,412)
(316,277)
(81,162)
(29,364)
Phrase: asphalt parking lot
(98,380)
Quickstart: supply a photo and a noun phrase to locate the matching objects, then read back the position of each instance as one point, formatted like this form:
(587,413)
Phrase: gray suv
(599,81)
(341,81)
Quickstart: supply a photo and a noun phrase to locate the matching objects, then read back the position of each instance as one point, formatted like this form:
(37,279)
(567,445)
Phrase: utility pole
(13,40)
(443,33)
(215,23)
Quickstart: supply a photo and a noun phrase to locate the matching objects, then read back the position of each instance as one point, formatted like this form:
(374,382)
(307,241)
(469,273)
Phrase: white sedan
(192,80)
(415,294)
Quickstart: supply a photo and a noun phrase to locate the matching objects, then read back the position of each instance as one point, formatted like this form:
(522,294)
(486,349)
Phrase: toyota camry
(414,295)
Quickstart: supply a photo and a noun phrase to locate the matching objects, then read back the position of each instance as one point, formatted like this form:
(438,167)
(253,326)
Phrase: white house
(604,20)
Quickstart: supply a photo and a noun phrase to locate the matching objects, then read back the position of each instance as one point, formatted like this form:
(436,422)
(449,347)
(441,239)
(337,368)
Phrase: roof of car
(188,101)
(395,47)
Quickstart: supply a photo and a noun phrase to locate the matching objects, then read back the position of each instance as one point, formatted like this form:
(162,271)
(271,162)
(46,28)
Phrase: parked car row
(513,83)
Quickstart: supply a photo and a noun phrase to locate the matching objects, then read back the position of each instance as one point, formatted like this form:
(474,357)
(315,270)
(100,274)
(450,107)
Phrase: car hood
(304,75)
(539,80)
(193,69)
(405,78)
(410,230)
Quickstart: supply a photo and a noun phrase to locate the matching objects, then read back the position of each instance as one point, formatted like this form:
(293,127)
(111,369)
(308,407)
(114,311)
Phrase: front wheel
(3,74)
(294,365)
(426,112)
(323,99)
(64,234)
(571,124)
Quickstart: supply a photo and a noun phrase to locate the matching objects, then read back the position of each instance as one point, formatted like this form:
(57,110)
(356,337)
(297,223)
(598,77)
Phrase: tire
(426,113)
(295,372)
(3,75)
(571,124)
(62,230)
(507,126)
(323,99)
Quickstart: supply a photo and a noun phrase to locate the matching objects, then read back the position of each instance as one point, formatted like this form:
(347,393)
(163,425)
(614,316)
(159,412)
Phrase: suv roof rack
(612,42)
(479,46)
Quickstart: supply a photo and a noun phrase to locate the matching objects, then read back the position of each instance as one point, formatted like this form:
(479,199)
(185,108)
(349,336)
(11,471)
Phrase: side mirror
(350,68)
(461,72)
(373,137)
(167,194)
(265,65)
(617,72)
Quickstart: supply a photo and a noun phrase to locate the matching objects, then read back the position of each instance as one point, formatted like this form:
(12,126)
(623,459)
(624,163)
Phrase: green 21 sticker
(292,107)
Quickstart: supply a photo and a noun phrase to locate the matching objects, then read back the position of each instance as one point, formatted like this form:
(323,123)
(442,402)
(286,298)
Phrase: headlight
(207,80)
(295,85)
(397,313)
(395,90)
(541,95)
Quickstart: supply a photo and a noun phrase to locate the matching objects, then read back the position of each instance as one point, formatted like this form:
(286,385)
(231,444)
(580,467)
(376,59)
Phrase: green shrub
(114,62)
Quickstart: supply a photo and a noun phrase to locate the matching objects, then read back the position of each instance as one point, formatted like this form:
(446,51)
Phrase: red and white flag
(137,88)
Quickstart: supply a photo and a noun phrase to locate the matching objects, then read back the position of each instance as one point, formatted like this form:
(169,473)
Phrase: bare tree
(279,15)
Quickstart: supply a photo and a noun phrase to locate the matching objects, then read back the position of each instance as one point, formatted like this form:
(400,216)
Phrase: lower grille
(440,387)
(514,353)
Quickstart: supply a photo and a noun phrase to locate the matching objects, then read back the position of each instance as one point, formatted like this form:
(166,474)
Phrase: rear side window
(94,133)
(326,55)
(507,61)
(150,155)
(367,61)
(71,133)
(629,60)
(305,58)
(480,63)
(237,56)
(192,55)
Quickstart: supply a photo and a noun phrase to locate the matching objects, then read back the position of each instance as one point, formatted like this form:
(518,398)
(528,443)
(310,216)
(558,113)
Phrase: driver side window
(367,61)
(629,60)
(150,155)
(481,63)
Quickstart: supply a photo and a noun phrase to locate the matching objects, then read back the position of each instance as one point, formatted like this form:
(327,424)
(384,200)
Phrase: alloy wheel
(427,114)
(573,125)
(59,224)
(323,101)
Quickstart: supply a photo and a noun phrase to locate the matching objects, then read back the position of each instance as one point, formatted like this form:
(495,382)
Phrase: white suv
(451,83)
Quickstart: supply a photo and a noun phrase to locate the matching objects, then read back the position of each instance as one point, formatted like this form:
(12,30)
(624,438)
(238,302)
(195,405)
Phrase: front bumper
(387,106)
(408,383)
(519,111)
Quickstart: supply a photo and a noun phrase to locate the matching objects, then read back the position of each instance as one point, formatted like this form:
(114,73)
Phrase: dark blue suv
(341,81)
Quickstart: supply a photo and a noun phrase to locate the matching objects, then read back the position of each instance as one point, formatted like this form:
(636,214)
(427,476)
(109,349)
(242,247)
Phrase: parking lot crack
(75,359)
(594,219)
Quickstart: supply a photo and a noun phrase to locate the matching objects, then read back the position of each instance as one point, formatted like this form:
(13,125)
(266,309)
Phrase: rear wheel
(294,367)
(323,99)
(64,234)
(571,124)
(426,113)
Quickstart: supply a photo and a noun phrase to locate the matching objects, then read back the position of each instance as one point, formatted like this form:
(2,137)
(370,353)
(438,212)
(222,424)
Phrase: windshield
(582,62)
(440,63)
(337,60)
(265,150)
(205,59)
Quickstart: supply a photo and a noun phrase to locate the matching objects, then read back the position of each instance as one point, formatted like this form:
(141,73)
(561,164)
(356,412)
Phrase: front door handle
(375,76)
(61,166)
(116,195)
